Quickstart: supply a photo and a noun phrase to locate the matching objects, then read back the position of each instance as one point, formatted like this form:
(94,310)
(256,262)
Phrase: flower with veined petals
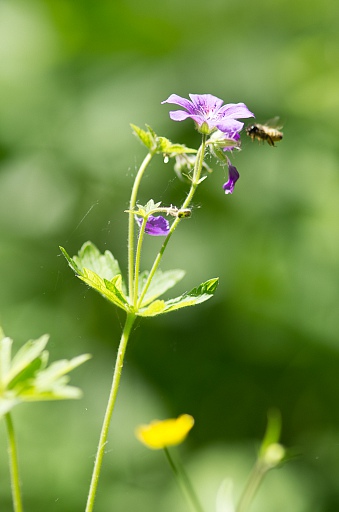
(160,434)
(209,113)
(233,176)
(155,226)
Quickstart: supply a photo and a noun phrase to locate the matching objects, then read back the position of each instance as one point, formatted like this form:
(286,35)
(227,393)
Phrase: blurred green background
(73,75)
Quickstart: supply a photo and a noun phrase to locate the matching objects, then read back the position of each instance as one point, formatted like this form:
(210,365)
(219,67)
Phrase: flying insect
(263,132)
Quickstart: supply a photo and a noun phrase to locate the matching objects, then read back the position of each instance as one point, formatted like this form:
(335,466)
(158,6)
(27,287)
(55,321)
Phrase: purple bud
(155,226)
(233,177)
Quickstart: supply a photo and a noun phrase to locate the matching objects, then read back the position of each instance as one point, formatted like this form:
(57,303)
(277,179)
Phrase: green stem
(13,464)
(109,411)
(195,182)
(184,483)
(251,487)
(137,261)
(131,223)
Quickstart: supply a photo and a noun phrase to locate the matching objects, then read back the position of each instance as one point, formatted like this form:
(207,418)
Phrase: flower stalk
(195,182)
(102,271)
(109,411)
(184,483)
(131,222)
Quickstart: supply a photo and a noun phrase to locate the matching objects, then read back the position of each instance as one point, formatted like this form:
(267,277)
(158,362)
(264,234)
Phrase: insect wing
(275,122)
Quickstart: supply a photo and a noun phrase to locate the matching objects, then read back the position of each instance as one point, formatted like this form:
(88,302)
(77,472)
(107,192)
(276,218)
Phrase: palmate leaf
(89,256)
(196,296)
(101,272)
(27,378)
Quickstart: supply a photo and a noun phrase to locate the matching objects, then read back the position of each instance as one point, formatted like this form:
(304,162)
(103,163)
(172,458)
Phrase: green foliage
(27,378)
(90,257)
(101,272)
(157,144)
(161,282)
(114,290)
(197,295)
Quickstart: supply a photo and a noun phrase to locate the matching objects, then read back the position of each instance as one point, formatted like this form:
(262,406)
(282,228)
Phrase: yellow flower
(160,434)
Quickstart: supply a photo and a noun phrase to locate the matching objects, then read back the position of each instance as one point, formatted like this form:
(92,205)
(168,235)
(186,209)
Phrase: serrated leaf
(196,296)
(161,282)
(165,146)
(155,308)
(145,137)
(151,131)
(99,271)
(111,290)
(105,265)
(150,205)
(70,261)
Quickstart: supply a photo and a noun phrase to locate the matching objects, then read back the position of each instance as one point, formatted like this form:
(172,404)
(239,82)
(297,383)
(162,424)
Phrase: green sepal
(161,282)
(157,144)
(142,210)
(101,272)
(196,296)
(26,377)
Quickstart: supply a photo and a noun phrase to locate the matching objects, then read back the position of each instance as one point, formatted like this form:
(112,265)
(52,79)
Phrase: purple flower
(155,226)
(233,177)
(209,113)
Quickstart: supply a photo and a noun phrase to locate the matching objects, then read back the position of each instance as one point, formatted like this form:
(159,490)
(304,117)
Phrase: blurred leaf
(26,378)
(273,430)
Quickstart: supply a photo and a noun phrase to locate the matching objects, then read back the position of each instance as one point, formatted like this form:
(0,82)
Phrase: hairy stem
(13,464)
(194,185)
(131,224)
(109,411)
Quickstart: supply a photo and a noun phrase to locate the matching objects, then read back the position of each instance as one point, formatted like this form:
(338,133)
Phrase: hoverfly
(265,132)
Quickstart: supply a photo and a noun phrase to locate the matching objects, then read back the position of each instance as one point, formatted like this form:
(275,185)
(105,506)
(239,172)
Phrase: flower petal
(229,126)
(155,226)
(233,177)
(178,100)
(235,110)
(208,113)
(179,115)
(206,102)
(160,434)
